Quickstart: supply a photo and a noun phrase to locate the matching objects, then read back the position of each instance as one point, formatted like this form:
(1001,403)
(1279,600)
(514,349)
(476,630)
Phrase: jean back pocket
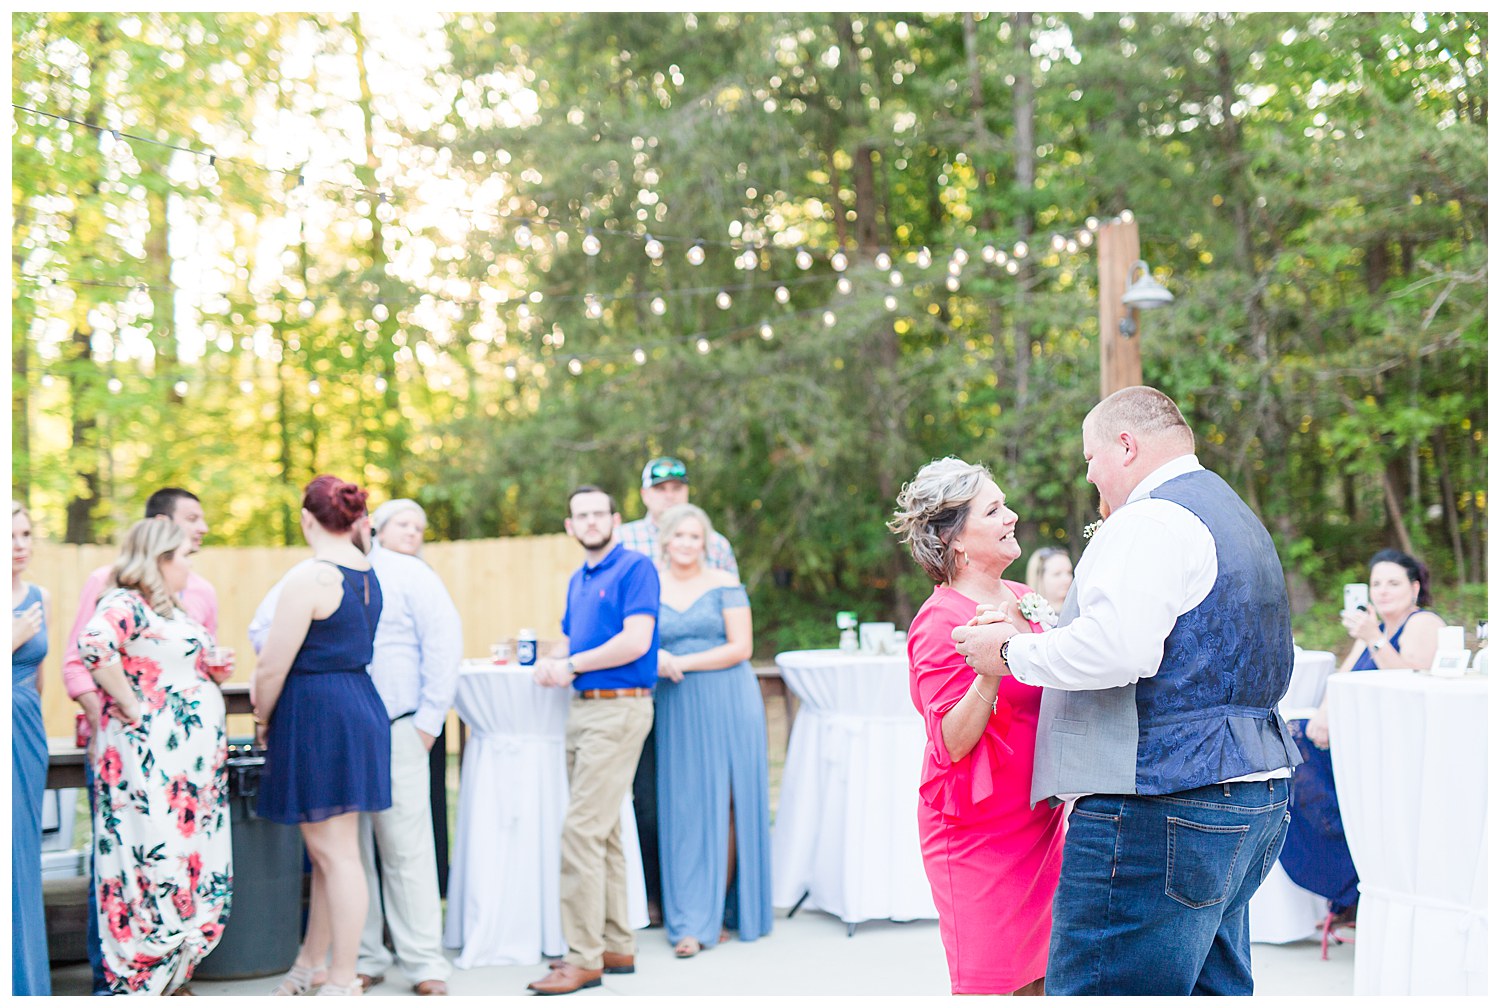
(1200,860)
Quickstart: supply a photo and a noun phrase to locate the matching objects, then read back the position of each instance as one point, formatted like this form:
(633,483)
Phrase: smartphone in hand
(1356,597)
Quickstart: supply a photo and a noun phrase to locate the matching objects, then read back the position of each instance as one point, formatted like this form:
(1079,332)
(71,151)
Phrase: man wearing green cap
(664,485)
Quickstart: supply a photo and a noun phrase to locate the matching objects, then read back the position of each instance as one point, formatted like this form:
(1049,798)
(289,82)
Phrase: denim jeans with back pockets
(1155,890)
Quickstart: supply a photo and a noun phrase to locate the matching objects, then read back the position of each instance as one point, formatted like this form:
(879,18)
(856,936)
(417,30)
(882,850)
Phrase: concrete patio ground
(808,954)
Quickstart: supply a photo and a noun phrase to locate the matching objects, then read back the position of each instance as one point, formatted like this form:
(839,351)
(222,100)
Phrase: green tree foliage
(454,293)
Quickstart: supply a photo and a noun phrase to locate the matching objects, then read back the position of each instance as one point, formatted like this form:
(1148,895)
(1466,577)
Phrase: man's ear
(1131,445)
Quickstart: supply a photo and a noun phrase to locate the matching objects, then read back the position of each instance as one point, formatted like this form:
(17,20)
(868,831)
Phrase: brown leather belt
(611,694)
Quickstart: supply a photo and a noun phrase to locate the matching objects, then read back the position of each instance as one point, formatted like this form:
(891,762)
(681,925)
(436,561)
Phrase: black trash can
(265,910)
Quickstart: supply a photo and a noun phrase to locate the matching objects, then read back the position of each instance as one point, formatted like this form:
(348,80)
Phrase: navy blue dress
(328,747)
(30,972)
(1316,855)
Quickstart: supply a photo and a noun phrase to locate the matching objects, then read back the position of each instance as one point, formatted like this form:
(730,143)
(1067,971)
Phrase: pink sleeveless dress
(992,860)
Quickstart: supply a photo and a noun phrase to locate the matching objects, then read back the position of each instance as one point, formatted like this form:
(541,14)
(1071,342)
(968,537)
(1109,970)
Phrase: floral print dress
(162,871)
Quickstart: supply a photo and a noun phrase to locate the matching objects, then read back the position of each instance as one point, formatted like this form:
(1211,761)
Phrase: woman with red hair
(326,732)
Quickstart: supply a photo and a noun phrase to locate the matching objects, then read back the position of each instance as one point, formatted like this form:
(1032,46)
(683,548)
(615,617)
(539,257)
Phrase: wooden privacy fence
(499,586)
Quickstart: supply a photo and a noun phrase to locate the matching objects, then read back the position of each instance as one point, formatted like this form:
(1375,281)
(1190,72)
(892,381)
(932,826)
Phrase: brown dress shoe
(431,988)
(566,979)
(614,962)
(366,981)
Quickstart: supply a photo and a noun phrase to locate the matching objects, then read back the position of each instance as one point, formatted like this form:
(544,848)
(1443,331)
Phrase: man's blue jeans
(1155,890)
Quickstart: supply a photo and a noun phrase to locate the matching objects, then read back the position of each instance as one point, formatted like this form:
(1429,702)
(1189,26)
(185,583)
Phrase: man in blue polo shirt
(608,657)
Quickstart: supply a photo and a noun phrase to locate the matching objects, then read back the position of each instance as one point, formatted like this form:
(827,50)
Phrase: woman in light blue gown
(714,804)
(30,970)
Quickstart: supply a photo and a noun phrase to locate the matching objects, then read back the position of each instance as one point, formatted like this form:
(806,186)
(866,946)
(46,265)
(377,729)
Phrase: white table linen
(846,826)
(1411,764)
(503,890)
(1282,911)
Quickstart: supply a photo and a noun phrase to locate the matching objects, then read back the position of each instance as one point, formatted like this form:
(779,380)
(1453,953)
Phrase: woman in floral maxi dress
(162,869)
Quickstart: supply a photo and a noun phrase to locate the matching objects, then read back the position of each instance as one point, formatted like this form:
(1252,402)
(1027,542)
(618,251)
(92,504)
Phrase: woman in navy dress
(714,805)
(327,736)
(1400,633)
(30,973)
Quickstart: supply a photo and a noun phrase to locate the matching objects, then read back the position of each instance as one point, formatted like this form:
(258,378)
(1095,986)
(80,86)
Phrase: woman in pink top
(991,858)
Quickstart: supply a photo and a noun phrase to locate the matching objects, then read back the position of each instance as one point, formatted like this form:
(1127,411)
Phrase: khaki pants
(604,743)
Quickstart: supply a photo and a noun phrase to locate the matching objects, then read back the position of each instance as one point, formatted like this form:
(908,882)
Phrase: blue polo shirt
(623,584)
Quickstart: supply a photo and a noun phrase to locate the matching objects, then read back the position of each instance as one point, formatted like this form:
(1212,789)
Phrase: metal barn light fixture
(1144,294)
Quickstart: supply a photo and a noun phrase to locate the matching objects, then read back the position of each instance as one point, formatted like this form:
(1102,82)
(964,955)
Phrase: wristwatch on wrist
(1377,644)
(572,671)
(1005,652)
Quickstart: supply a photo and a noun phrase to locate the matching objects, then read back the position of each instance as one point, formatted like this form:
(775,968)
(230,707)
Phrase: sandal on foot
(687,948)
(356,989)
(301,980)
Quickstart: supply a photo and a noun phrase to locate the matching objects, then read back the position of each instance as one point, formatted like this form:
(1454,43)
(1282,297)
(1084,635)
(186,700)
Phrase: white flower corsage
(1091,528)
(1038,610)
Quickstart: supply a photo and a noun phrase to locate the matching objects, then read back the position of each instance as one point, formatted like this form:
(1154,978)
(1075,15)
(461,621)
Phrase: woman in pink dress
(991,858)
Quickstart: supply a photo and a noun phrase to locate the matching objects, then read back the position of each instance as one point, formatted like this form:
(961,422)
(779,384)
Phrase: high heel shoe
(301,980)
(1331,925)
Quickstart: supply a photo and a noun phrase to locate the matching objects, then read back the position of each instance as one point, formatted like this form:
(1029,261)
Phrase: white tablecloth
(503,899)
(1411,764)
(1281,910)
(846,826)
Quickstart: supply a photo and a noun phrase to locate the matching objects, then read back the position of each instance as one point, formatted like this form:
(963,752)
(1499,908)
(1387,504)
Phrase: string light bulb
(953,283)
(510,372)
(314,387)
(1092,223)
(658,306)
(181,388)
(696,255)
(896,278)
(246,388)
(1012,268)
(639,356)
(839,261)
(883,261)
(890,302)
(523,237)
(115,385)
(1019,250)
(653,247)
(723,300)
(592,307)
(591,243)
(703,345)
(380,384)
(766,332)
(783,295)
(1058,242)
(804,258)
(960,256)
(1126,216)
(575,365)
(844,285)
(924,258)
(307,308)
(829,318)
(1085,238)
(380,312)
(987,253)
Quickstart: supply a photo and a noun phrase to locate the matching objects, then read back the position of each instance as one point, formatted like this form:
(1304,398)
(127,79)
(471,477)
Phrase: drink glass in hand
(219,660)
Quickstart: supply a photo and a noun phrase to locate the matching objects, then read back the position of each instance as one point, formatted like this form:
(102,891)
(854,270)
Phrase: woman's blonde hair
(932,509)
(674,517)
(1037,565)
(17,508)
(139,564)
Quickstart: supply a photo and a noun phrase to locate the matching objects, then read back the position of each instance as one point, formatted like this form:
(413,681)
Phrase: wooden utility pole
(1119,356)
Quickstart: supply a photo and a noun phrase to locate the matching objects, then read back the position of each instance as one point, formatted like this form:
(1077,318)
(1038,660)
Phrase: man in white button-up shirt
(1159,716)
(418,647)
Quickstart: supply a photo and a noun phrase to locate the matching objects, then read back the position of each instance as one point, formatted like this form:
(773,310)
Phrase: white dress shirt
(1152,561)
(418,641)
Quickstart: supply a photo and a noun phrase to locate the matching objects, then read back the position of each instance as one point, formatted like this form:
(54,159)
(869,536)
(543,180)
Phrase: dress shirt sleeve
(721,555)
(76,678)
(1152,561)
(260,623)
(440,634)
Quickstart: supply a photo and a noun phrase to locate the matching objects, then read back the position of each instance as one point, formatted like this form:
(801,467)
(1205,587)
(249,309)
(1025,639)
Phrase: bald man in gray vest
(1158,716)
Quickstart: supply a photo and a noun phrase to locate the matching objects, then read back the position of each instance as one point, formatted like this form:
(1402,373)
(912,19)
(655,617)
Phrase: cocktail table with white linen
(503,894)
(845,835)
(1411,764)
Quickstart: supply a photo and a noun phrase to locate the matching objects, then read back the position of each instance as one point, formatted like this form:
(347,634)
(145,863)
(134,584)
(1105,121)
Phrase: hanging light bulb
(1000,257)
(924,258)
(987,253)
(839,261)
(523,236)
(895,278)
(1012,268)
(748,260)
(510,372)
(723,300)
(695,255)
(380,384)
(575,365)
(766,332)
(245,387)
(890,302)
(1092,223)
(883,261)
(380,312)
(955,267)
(829,318)
(653,247)
(592,307)
(590,243)
(47,381)
(804,258)
(1126,216)
(783,295)
(844,285)
(639,356)
(181,388)
(1058,242)
(658,306)
(1072,246)
(953,283)
(1019,250)
(1085,238)
(702,345)
(115,385)
(307,308)
(314,387)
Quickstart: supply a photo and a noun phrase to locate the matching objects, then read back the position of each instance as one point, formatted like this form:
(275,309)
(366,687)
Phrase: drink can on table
(82,730)
(526,647)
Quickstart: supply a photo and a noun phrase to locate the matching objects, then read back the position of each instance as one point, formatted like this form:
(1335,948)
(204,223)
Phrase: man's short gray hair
(931,510)
(1142,410)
